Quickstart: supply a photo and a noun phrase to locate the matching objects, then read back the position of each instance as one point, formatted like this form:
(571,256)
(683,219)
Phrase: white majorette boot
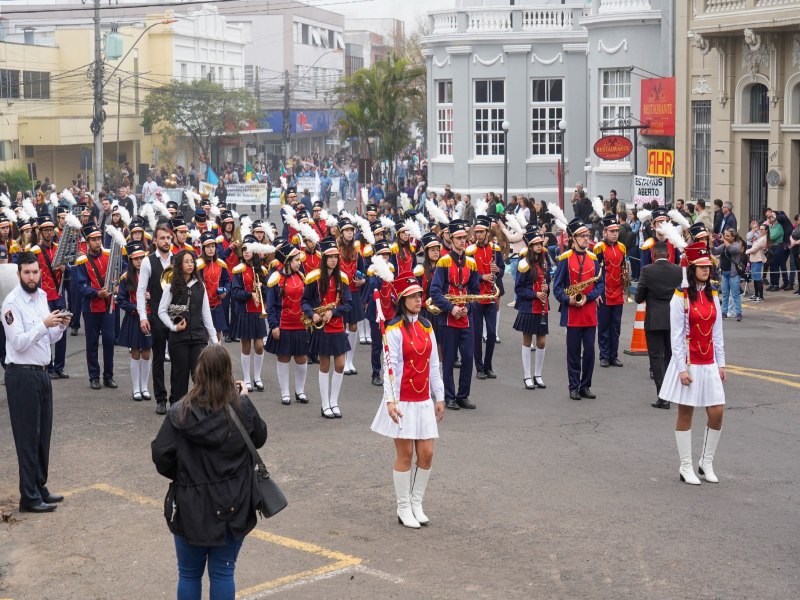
(418,492)
(684,441)
(402,489)
(710,441)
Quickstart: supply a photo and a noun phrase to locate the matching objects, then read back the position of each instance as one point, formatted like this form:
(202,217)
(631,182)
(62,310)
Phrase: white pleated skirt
(418,422)
(705,390)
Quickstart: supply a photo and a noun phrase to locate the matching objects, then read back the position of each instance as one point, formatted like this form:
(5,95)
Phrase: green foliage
(377,104)
(17,180)
(201,109)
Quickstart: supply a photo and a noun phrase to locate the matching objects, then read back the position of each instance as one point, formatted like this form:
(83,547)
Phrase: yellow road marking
(753,370)
(341,561)
(736,371)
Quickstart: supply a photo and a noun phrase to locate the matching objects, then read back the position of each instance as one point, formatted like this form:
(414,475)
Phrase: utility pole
(99,115)
(286,114)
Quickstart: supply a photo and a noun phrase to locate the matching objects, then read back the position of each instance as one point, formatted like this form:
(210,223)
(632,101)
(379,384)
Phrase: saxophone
(462,300)
(575,291)
(308,322)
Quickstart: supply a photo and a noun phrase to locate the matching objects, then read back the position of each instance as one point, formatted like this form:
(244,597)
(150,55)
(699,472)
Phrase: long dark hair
(132,277)
(214,388)
(403,248)
(325,277)
(428,267)
(347,250)
(535,260)
(179,286)
(692,278)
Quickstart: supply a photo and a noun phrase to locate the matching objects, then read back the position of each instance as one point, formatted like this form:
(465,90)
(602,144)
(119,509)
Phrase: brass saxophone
(575,291)
(259,299)
(462,300)
(308,322)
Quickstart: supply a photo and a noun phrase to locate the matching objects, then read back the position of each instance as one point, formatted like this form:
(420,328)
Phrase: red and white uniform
(484,258)
(312,260)
(45,257)
(212,274)
(246,273)
(612,257)
(291,318)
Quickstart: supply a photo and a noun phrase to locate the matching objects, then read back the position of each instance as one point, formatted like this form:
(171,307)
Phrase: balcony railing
(623,6)
(713,6)
(485,21)
(501,20)
(445,23)
(551,19)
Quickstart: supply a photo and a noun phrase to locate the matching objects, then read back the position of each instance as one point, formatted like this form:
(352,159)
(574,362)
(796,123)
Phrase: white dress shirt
(208,322)
(27,338)
(144,276)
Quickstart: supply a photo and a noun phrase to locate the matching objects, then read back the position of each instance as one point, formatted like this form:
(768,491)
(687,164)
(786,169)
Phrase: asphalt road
(532,495)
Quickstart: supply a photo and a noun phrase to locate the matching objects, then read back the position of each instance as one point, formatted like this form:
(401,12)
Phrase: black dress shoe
(574,395)
(53,498)
(228,339)
(42,507)
(94,384)
(465,403)
(52,374)
(491,374)
(616,362)
(451,404)
(480,375)
(604,363)
(301,398)
(587,393)
(660,404)
(377,381)
(73,332)
(161,407)
(110,383)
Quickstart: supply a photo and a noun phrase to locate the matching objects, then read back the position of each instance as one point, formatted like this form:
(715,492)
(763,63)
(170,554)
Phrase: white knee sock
(258,362)
(246,368)
(537,372)
(300,378)
(367,330)
(283,378)
(351,337)
(497,323)
(362,329)
(336,386)
(135,375)
(526,362)
(144,373)
(323,390)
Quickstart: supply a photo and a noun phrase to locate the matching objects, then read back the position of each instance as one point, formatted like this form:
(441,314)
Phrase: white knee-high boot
(135,376)
(283,381)
(246,370)
(324,395)
(402,490)
(526,367)
(684,441)
(710,441)
(336,386)
(349,367)
(418,487)
(537,372)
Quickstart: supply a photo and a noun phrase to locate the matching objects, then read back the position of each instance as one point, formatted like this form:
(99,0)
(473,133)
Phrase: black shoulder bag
(271,500)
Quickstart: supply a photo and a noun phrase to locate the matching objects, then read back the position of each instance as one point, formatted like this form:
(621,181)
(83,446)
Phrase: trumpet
(626,279)
(462,300)
(575,291)
(308,322)
(259,299)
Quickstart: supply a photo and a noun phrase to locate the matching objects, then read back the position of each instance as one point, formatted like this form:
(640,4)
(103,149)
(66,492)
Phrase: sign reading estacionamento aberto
(658,106)
(647,189)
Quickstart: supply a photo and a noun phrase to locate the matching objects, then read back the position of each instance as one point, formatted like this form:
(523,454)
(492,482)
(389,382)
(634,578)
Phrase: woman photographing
(730,253)
(413,400)
(185,310)
(209,465)
(696,371)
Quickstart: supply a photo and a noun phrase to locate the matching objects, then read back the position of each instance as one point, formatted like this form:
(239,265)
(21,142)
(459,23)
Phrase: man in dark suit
(657,284)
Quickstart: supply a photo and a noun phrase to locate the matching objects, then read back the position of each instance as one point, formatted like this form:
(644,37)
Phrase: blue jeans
(192,564)
(731,294)
(514,262)
(757,270)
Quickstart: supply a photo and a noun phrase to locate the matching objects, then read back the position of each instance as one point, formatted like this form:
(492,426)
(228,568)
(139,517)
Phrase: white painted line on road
(322,576)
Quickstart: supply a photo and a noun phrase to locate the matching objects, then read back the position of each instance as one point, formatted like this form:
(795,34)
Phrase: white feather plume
(244,226)
(644,215)
(413,228)
(160,207)
(72,221)
(148,213)
(422,220)
(269,232)
(381,268)
(307,232)
(676,216)
(331,220)
(215,213)
(520,216)
(672,234)
(4,201)
(405,202)
(68,195)
(513,223)
(190,199)
(364,198)
(10,214)
(364,226)
(29,209)
(289,210)
(340,204)
(559,218)
(194,234)
(257,248)
(124,214)
(116,234)
(53,199)
(387,223)
(597,206)
(481,207)
(436,213)
(234,214)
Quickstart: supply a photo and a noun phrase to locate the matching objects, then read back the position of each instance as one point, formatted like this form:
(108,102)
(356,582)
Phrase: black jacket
(211,471)
(657,284)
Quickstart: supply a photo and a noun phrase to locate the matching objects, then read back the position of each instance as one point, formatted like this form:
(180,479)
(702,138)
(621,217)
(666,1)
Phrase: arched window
(758,103)
(793,105)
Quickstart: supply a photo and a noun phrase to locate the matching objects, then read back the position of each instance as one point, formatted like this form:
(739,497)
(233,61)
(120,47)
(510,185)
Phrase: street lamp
(562,128)
(506,126)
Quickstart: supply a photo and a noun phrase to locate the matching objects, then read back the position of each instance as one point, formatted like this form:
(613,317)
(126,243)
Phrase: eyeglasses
(583,235)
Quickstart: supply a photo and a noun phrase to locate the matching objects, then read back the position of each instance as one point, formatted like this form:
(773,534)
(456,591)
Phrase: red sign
(613,147)
(658,106)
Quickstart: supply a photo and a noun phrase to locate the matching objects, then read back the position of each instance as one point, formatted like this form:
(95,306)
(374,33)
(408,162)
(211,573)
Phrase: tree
(376,104)
(202,109)
(413,52)
(17,180)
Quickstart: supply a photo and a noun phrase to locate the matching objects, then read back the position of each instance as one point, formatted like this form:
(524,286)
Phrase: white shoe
(402,490)
(369,340)
(710,441)
(684,441)
(417,493)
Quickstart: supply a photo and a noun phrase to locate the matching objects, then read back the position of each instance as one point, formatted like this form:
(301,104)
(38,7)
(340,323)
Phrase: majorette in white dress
(707,352)
(420,378)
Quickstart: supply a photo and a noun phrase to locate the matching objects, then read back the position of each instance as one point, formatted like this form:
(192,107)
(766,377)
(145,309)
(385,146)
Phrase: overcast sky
(408,10)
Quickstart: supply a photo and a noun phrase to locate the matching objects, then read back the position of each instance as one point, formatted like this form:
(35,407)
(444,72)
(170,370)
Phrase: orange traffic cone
(638,339)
